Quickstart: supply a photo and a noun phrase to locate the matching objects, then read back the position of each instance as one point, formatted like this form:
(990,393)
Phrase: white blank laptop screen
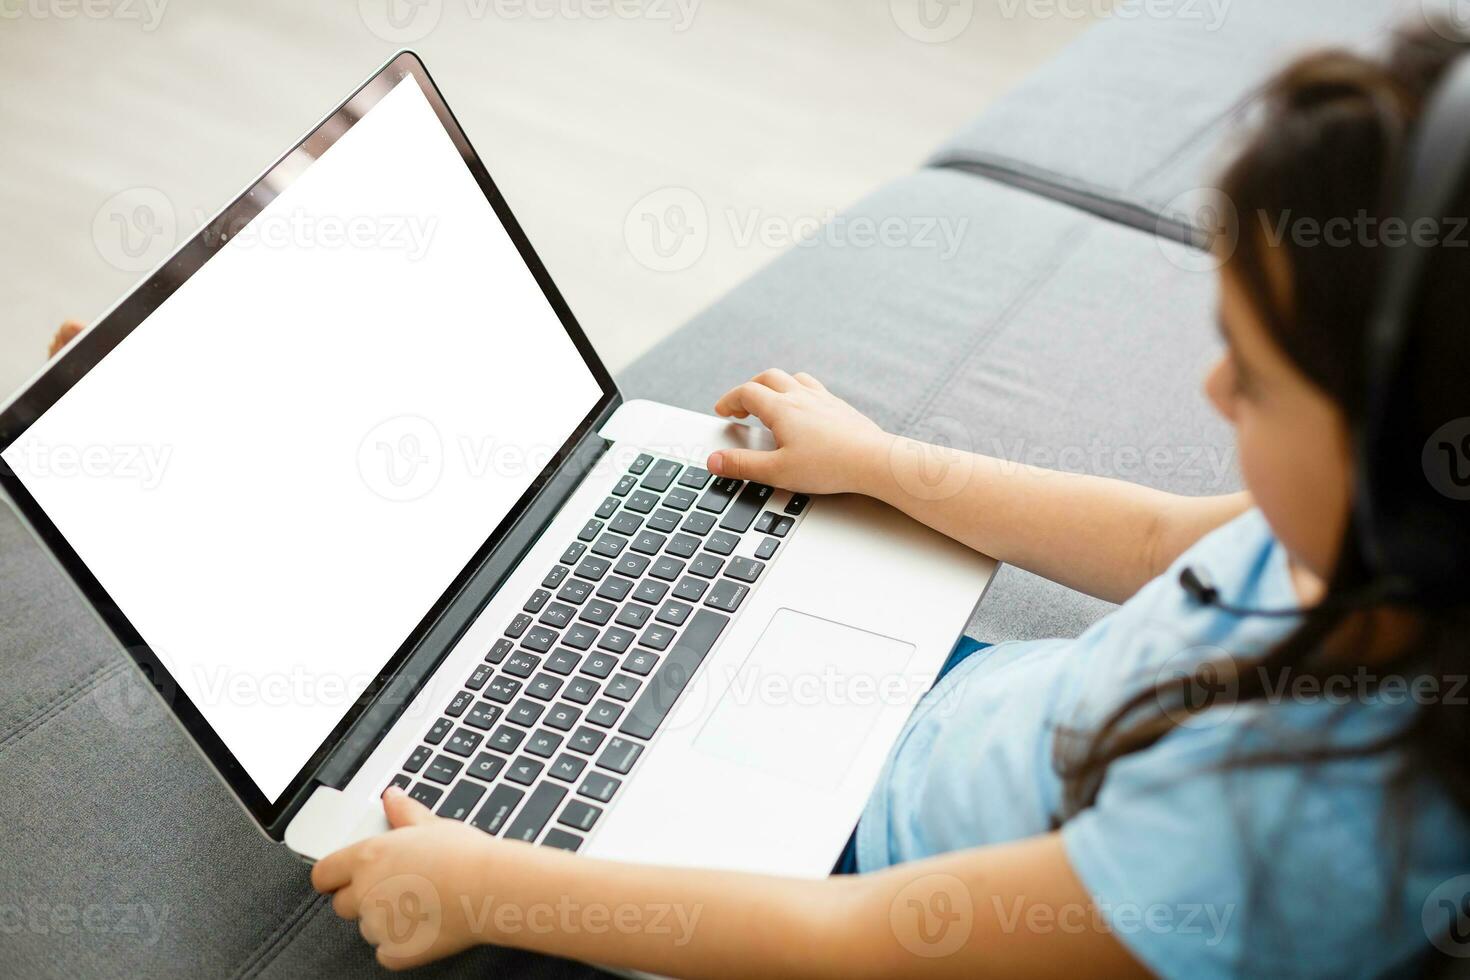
(280,471)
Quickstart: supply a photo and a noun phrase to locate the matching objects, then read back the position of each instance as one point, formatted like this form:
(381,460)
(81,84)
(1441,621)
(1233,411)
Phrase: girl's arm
(433,887)
(1104,537)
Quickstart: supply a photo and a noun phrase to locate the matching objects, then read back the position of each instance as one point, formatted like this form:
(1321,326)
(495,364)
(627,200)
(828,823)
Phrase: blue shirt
(1199,870)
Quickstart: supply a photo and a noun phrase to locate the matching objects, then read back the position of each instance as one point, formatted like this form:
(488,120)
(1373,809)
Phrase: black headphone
(1414,539)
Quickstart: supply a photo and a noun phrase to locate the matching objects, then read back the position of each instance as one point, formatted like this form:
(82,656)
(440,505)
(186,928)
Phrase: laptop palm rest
(802,704)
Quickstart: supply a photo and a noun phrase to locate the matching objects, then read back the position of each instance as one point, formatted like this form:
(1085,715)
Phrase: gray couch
(1066,330)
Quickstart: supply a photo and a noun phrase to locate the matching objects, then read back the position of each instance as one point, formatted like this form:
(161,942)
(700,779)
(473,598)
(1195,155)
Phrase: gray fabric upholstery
(1140,110)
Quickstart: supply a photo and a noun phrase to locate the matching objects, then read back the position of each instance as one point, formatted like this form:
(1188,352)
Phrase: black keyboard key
(537,600)
(615,588)
(626,484)
(506,739)
(632,565)
(683,545)
(598,613)
(783,527)
(426,794)
(580,636)
(746,506)
(563,716)
(599,665)
(667,568)
(497,808)
(517,626)
(483,716)
(603,714)
(797,504)
(622,687)
(695,643)
(580,690)
(525,713)
(640,464)
(619,755)
(650,591)
(609,508)
(563,661)
(486,767)
(706,566)
(437,733)
(616,639)
(543,743)
(554,577)
(499,650)
(679,499)
(463,742)
(767,549)
(611,545)
(522,664)
(540,639)
(589,531)
(579,815)
(544,687)
(633,615)
(461,800)
(657,637)
(401,781)
(726,595)
(641,662)
(537,811)
(502,689)
(598,786)
(698,523)
(593,568)
(573,553)
(567,768)
(663,521)
(690,589)
(418,758)
(558,615)
(575,591)
(675,612)
(627,523)
(722,543)
(642,502)
(649,542)
(461,702)
(661,476)
(719,495)
(442,770)
(744,569)
(765,522)
(586,740)
(477,680)
(694,477)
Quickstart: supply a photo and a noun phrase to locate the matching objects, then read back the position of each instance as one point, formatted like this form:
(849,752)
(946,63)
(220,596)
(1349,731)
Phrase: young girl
(1076,806)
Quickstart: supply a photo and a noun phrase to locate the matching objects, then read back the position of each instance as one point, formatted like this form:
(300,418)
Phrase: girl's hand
(824,445)
(418,891)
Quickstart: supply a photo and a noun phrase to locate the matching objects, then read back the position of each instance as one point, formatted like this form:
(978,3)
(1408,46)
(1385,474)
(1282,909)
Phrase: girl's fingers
(775,379)
(345,903)
(751,398)
(403,810)
(334,870)
(809,381)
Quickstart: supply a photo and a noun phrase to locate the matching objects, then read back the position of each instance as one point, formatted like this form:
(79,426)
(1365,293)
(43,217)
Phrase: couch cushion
(1140,111)
(1048,336)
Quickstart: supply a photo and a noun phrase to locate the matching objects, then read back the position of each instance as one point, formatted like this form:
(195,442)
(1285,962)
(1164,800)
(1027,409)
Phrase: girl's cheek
(1220,389)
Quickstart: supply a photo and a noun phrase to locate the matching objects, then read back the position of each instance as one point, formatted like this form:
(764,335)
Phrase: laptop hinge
(396,694)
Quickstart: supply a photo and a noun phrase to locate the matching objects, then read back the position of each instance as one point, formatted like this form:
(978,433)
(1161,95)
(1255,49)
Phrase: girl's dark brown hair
(1330,146)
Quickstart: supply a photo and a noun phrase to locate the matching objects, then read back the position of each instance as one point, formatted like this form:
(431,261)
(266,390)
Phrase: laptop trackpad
(806,697)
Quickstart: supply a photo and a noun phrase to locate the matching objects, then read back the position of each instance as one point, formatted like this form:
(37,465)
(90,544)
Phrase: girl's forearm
(1104,537)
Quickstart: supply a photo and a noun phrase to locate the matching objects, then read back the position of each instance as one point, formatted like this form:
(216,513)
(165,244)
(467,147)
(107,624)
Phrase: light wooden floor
(772,109)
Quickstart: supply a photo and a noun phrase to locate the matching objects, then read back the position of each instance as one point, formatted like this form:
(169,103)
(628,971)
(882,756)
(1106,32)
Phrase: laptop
(367,510)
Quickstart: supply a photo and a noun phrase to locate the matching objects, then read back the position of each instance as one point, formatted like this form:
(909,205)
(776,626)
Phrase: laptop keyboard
(547,729)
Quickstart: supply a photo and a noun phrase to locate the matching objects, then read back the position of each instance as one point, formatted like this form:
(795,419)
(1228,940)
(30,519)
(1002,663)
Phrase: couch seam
(285,931)
(60,703)
(935,390)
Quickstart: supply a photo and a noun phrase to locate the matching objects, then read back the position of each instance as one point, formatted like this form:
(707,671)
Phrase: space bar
(673,674)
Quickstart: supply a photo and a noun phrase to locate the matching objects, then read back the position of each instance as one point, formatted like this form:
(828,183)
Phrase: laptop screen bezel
(134,309)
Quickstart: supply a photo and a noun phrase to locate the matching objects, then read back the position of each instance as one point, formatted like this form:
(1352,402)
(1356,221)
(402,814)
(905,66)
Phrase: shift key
(743,512)
(538,809)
